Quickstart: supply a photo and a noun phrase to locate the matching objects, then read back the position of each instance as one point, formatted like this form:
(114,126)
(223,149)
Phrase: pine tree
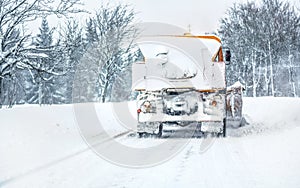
(72,49)
(44,38)
(91,33)
(41,89)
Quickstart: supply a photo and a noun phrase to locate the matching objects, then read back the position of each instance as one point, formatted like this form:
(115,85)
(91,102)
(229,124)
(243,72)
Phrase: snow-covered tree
(72,49)
(9,75)
(121,89)
(40,88)
(15,45)
(262,37)
(91,33)
(111,52)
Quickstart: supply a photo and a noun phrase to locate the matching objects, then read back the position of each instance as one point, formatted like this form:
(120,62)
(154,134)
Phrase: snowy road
(40,147)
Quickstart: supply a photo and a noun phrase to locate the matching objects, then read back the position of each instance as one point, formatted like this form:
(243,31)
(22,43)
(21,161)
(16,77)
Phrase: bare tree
(111,53)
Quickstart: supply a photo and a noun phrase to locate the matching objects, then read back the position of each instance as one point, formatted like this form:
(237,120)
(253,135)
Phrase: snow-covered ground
(43,147)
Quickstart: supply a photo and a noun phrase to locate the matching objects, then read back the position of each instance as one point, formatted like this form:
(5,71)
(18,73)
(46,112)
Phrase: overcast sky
(202,15)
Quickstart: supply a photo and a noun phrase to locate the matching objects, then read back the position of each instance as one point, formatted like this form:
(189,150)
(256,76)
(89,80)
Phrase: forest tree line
(264,39)
(82,63)
(92,61)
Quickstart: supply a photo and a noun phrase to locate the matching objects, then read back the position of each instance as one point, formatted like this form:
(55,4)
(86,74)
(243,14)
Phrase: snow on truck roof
(186,42)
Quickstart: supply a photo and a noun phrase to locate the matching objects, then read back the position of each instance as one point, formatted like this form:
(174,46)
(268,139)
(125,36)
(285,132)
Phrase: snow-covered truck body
(181,85)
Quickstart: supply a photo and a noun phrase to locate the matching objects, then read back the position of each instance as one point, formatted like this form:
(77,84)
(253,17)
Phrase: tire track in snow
(183,163)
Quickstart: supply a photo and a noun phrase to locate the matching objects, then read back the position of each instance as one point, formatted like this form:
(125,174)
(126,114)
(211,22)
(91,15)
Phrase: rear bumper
(166,118)
(188,127)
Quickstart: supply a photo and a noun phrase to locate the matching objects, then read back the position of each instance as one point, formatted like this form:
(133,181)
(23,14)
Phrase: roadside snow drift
(43,147)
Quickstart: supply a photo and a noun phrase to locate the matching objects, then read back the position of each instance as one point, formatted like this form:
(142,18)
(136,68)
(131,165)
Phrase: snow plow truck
(181,85)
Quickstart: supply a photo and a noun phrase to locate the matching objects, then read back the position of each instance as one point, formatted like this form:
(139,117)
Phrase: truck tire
(140,135)
(159,134)
(224,127)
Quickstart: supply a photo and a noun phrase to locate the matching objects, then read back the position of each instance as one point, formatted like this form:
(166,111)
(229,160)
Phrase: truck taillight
(214,103)
(148,107)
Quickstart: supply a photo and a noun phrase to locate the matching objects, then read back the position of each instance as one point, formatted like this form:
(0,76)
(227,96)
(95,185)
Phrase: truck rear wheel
(140,135)
(224,127)
(159,134)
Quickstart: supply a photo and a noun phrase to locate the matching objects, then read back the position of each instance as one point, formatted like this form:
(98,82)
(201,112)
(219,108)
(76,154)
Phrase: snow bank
(265,114)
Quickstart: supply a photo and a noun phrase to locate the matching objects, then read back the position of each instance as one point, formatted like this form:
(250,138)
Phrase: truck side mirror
(227,57)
